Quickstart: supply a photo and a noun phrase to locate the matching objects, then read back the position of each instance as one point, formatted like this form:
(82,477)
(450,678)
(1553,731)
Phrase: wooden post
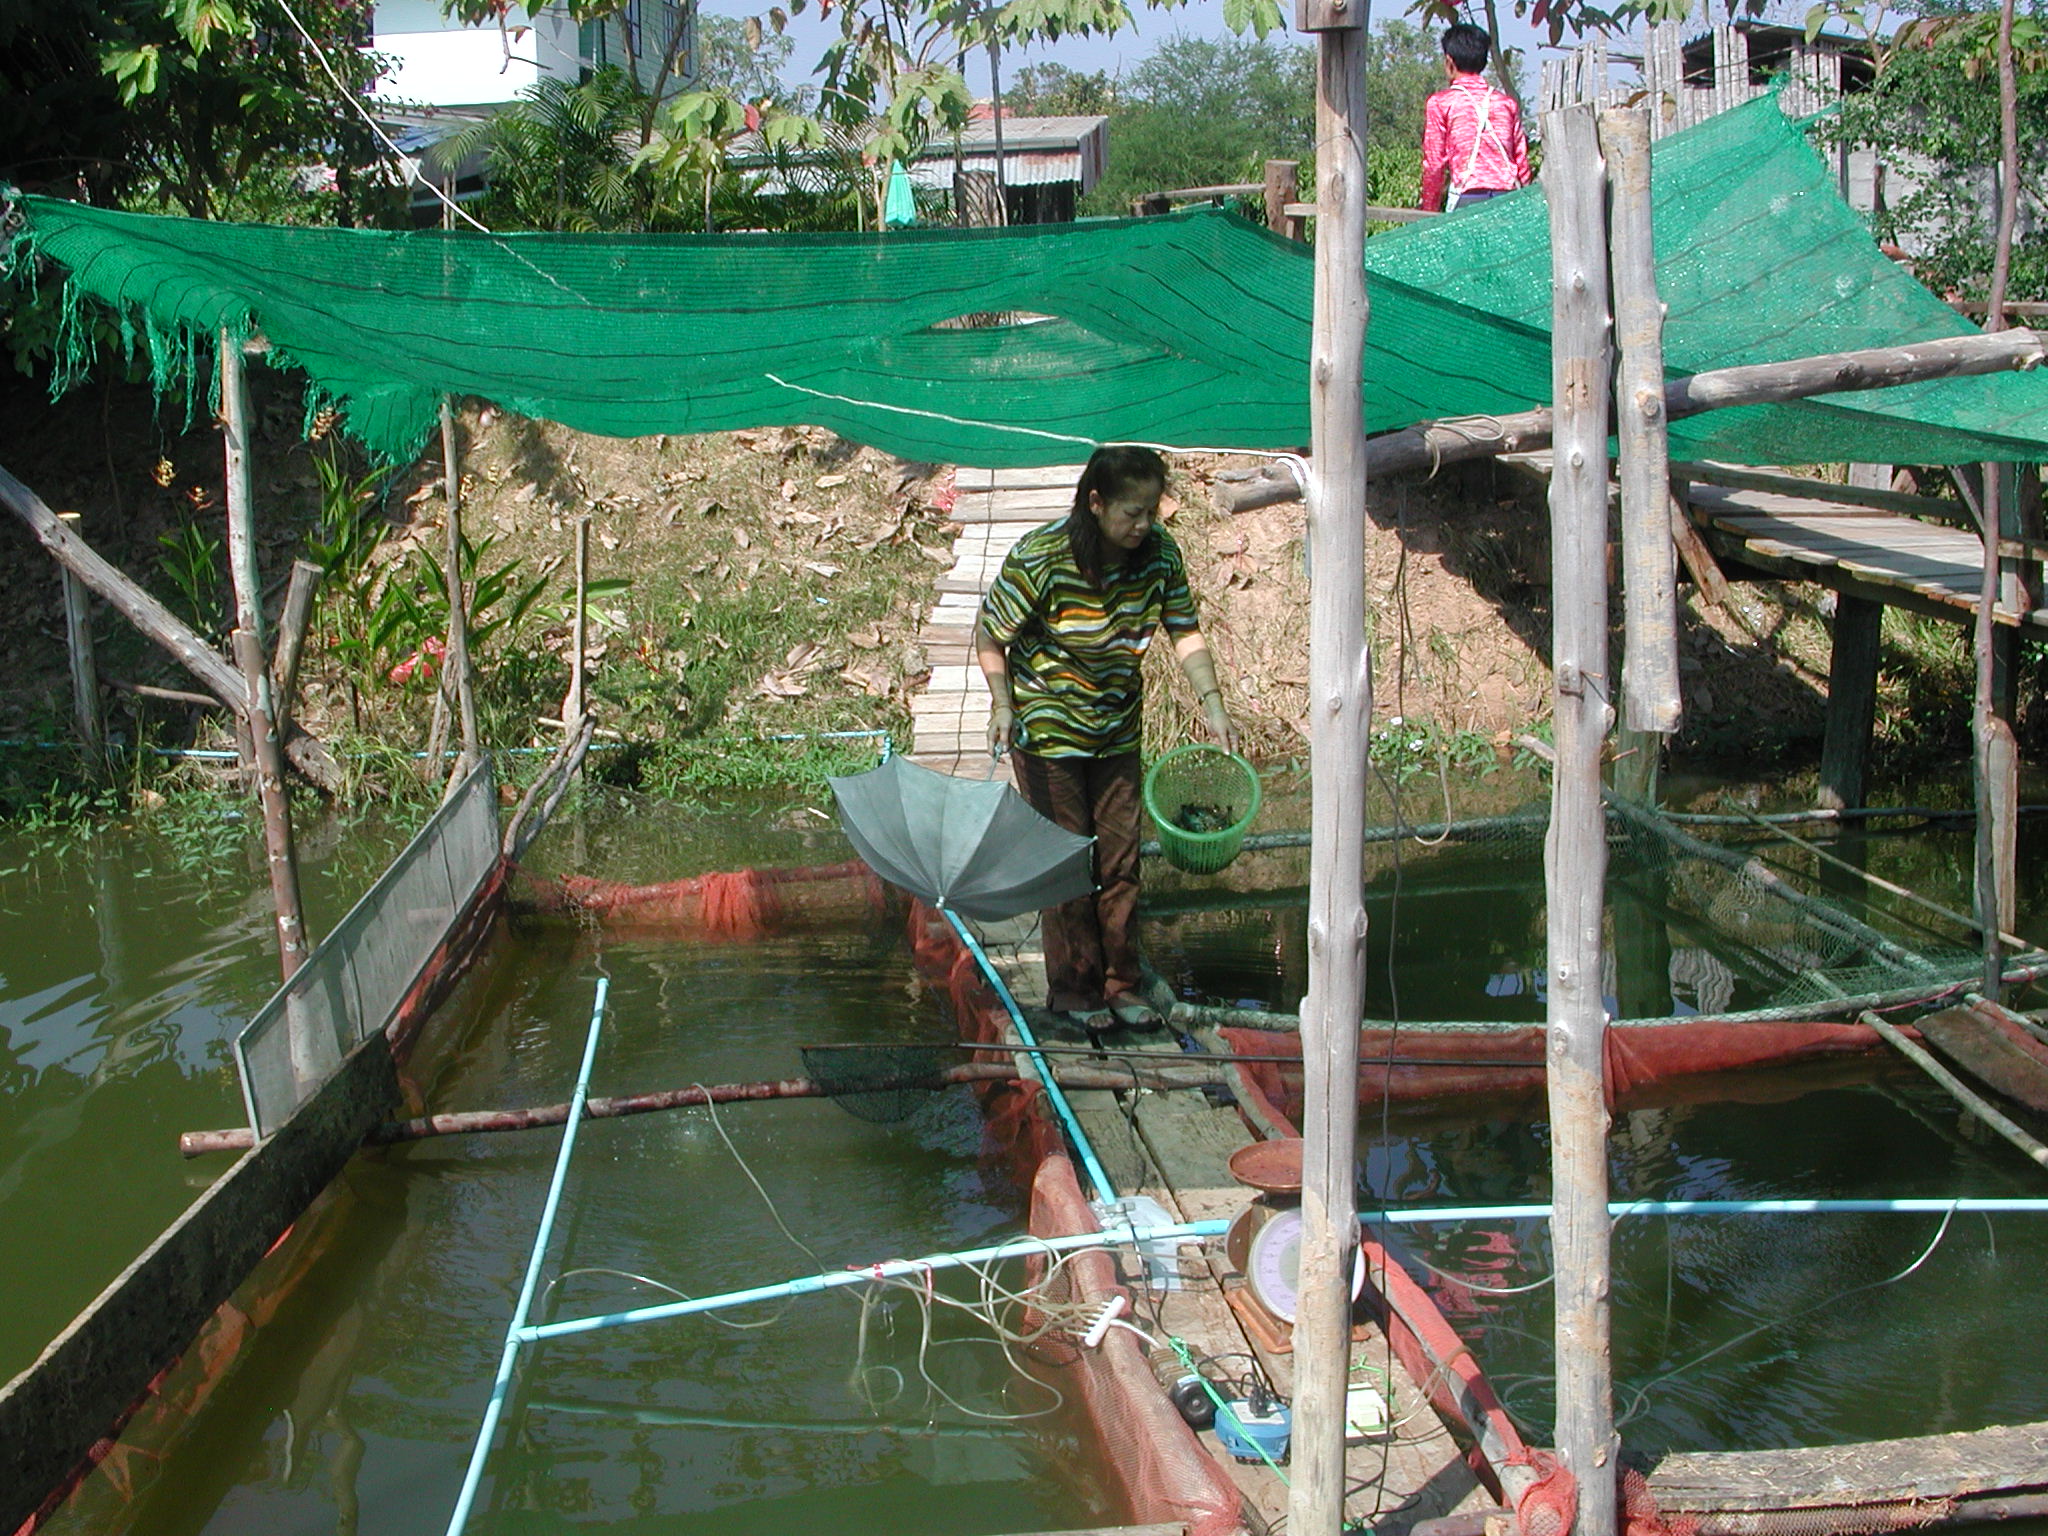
(1283,178)
(292,624)
(455,665)
(85,677)
(1340,719)
(1575,854)
(279,855)
(266,740)
(155,621)
(242,573)
(573,708)
(1997,752)
(1650,577)
(1852,701)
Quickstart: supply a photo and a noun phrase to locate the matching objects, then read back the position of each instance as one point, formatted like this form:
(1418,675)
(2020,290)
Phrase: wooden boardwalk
(1878,552)
(996,508)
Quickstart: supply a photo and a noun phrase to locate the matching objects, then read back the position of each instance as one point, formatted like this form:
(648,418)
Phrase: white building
(443,64)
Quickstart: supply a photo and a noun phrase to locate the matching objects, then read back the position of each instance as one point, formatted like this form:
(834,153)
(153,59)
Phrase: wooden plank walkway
(995,508)
(1887,557)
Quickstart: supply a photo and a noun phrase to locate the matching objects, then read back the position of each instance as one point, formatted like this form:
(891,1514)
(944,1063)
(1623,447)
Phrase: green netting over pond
(1190,330)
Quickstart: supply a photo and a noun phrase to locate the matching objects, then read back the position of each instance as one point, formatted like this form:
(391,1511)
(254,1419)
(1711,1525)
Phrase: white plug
(1112,1309)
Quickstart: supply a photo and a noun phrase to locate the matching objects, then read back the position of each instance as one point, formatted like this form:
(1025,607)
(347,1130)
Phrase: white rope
(375,127)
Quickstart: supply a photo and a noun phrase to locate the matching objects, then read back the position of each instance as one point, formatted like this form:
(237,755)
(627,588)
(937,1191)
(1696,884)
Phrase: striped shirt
(1075,650)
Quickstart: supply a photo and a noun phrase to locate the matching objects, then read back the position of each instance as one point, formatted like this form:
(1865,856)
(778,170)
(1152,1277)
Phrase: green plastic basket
(1202,799)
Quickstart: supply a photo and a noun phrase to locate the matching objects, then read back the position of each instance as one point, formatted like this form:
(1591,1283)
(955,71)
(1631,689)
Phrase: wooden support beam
(1708,579)
(292,623)
(85,679)
(1340,719)
(1283,178)
(1434,444)
(1575,852)
(1650,576)
(1852,702)
(456,671)
(576,706)
(155,621)
(1961,1092)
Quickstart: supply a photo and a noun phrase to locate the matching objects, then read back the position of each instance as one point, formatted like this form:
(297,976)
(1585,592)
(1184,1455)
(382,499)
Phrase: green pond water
(124,975)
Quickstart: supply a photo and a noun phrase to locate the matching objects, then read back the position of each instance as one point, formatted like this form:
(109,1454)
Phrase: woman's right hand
(1002,725)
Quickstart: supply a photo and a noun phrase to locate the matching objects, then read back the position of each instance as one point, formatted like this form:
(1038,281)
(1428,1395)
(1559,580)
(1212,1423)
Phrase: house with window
(442,65)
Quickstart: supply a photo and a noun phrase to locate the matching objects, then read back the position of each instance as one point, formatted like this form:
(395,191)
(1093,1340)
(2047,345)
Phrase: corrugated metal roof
(1037,151)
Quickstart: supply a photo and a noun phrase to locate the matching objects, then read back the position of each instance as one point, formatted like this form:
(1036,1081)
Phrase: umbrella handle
(995,756)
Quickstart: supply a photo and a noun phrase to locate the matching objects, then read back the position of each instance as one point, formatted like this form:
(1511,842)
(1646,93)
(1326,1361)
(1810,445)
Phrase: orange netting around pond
(720,907)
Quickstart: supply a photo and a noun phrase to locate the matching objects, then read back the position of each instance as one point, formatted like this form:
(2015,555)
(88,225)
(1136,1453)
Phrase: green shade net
(1190,330)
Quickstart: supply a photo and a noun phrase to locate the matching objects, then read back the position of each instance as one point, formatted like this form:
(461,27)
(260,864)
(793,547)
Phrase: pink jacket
(1471,141)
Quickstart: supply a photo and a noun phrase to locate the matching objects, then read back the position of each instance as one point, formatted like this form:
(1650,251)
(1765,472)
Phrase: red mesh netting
(1162,1474)
(1547,1506)
(1639,1513)
(1643,1063)
(719,907)
(1160,1471)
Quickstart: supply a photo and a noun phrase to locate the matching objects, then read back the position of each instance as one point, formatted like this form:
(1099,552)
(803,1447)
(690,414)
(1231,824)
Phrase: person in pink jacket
(1471,133)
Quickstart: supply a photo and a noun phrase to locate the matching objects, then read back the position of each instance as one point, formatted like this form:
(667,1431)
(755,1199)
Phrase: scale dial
(1272,1270)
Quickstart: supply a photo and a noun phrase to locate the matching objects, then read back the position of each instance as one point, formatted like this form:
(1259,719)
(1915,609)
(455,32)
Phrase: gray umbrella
(971,845)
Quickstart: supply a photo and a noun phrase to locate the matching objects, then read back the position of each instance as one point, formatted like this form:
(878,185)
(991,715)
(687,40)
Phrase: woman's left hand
(1219,722)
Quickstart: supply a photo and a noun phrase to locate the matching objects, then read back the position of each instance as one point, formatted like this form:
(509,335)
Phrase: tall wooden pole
(1575,852)
(255,708)
(575,706)
(1340,718)
(1997,751)
(85,676)
(1650,572)
(456,669)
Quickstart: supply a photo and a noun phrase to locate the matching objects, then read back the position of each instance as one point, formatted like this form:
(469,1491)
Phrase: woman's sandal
(1134,1013)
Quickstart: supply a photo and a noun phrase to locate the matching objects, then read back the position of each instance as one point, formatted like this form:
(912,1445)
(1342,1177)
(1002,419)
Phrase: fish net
(882,1083)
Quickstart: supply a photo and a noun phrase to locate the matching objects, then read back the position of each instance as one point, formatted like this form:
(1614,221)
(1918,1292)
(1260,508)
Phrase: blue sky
(1203,18)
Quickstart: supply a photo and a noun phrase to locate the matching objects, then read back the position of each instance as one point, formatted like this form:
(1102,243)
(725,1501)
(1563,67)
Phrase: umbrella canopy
(971,845)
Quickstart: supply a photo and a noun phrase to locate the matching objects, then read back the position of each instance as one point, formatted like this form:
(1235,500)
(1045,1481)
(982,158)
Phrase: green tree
(1932,117)
(1211,111)
(728,63)
(1053,90)
(227,103)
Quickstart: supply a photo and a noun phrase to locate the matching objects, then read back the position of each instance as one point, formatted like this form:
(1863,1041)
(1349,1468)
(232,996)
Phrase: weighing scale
(1264,1243)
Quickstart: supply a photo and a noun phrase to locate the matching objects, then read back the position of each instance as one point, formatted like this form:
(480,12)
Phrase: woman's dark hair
(1111,471)
(1468,47)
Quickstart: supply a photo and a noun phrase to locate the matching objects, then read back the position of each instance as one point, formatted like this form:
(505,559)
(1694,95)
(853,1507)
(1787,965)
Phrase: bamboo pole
(487,1121)
(455,665)
(1340,718)
(1430,445)
(256,710)
(307,753)
(280,857)
(1973,1102)
(573,707)
(293,621)
(1650,580)
(1575,852)
(1997,752)
(85,677)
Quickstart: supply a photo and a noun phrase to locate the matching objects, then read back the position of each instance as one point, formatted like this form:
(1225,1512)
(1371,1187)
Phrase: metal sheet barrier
(354,981)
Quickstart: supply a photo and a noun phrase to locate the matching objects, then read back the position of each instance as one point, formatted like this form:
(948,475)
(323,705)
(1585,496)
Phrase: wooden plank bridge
(995,508)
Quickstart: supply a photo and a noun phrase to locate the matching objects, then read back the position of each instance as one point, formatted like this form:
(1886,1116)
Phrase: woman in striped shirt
(1061,639)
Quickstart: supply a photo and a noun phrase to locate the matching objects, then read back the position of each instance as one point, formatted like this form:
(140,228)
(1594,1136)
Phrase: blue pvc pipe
(1903,1207)
(803,1285)
(1024,1247)
(1104,1190)
(515,1334)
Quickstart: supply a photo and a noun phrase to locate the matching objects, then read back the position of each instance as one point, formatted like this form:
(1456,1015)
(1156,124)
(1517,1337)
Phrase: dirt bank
(778,581)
